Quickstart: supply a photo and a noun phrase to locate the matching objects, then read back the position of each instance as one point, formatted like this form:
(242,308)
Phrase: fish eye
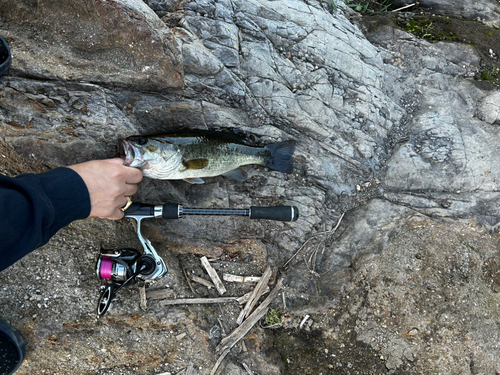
(142,141)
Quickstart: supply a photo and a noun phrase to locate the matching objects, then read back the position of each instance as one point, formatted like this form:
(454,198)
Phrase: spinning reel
(126,265)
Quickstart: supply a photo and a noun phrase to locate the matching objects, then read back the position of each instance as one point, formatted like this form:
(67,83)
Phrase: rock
(487,11)
(489,111)
(119,42)
(396,157)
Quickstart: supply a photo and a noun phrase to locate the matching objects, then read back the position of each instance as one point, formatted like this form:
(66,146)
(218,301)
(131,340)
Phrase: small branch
(240,279)
(160,294)
(202,281)
(197,301)
(256,294)
(328,232)
(213,275)
(187,279)
(348,159)
(235,336)
(247,368)
(219,361)
(406,6)
(304,321)
(142,293)
(244,298)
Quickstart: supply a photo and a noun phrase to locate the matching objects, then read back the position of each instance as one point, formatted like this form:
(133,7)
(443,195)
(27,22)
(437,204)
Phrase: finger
(122,201)
(133,175)
(130,190)
(116,215)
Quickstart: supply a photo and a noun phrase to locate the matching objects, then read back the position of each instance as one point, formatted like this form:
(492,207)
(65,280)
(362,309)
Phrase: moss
(272,317)
(491,75)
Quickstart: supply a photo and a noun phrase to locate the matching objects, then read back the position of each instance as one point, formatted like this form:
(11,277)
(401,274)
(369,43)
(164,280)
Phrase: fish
(197,155)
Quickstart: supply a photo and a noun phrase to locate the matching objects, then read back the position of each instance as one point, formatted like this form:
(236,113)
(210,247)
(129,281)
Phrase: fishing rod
(126,265)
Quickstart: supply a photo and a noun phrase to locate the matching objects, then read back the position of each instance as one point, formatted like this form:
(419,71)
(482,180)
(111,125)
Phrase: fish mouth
(126,152)
(132,155)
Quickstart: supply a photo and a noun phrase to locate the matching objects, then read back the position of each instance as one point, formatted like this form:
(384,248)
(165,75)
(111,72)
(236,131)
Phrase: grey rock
(395,253)
(487,11)
(119,42)
(489,110)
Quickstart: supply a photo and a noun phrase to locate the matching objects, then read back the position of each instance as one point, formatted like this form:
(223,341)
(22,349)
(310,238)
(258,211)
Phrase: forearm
(34,207)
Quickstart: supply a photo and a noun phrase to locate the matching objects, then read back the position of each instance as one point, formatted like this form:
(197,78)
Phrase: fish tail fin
(281,156)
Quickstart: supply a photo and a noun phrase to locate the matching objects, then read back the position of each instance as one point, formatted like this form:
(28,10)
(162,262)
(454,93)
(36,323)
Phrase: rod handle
(171,211)
(280,213)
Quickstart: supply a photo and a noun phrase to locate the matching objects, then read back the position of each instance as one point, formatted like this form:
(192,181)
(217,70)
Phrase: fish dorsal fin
(196,164)
(194,181)
(237,174)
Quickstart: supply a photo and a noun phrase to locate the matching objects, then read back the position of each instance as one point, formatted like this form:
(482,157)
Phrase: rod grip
(171,211)
(140,209)
(280,213)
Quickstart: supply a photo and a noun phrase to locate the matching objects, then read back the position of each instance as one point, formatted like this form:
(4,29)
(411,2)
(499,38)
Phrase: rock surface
(395,257)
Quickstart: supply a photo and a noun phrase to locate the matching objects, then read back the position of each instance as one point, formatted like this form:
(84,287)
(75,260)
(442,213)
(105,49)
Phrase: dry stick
(202,281)
(254,297)
(406,6)
(235,336)
(312,259)
(213,275)
(187,279)
(247,368)
(314,236)
(160,294)
(167,293)
(240,279)
(219,361)
(142,293)
(244,298)
(345,157)
(197,301)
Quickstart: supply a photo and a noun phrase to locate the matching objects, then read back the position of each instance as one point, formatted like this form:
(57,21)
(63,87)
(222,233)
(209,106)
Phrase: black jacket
(34,207)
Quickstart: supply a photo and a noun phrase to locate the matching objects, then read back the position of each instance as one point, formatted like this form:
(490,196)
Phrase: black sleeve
(33,207)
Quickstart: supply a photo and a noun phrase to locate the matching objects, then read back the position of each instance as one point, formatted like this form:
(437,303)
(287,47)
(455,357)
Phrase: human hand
(108,183)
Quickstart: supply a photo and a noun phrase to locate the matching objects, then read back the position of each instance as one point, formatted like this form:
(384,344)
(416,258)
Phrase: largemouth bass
(197,155)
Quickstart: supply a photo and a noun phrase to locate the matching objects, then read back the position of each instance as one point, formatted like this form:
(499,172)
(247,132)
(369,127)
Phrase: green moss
(369,6)
(491,75)
(425,28)
(272,317)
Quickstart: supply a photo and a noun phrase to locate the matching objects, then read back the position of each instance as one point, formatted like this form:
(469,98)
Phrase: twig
(240,279)
(202,281)
(348,159)
(197,301)
(247,368)
(187,279)
(328,232)
(314,253)
(406,6)
(256,294)
(160,294)
(235,336)
(304,321)
(219,361)
(244,298)
(213,275)
(142,293)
